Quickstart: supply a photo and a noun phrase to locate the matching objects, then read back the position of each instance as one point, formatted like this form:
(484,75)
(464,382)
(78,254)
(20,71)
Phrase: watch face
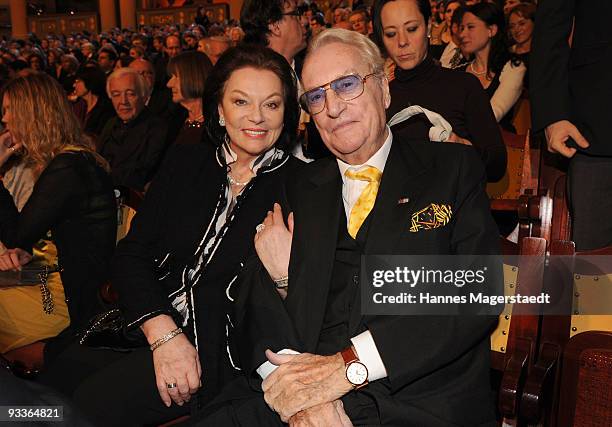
(356,373)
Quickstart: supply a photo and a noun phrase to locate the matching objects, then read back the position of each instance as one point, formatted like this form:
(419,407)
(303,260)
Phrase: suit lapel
(316,235)
(403,180)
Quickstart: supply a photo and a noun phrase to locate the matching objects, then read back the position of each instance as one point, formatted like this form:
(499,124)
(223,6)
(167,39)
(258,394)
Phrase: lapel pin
(403,200)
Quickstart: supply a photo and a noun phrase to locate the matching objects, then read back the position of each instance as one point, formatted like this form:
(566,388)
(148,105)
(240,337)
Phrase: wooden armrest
(513,378)
(538,386)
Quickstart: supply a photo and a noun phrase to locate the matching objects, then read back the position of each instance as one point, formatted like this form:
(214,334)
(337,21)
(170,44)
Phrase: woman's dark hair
(499,55)
(94,80)
(260,58)
(193,68)
(424,8)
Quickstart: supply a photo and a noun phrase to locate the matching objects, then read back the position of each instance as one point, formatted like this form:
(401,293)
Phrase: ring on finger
(259,228)
(171,385)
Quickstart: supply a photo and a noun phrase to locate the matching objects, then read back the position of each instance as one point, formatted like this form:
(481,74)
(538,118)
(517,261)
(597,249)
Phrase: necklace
(195,123)
(237,183)
(478,73)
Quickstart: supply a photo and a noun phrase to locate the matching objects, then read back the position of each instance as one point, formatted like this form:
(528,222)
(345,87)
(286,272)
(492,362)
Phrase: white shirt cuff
(267,368)
(368,355)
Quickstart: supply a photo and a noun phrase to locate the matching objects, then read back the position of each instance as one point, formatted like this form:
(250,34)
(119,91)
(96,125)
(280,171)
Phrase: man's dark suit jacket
(573,83)
(134,150)
(438,366)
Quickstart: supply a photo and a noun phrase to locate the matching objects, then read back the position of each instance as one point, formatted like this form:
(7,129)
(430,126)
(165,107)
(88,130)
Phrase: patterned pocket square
(433,216)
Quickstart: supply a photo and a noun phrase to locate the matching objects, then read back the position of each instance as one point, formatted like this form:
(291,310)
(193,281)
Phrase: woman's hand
(7,147)
(13,259)
(273,243)
(175,362)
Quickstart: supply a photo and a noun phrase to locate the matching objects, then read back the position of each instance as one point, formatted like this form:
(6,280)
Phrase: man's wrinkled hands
(326,415)
(303,381)
(273,243)
(558,133)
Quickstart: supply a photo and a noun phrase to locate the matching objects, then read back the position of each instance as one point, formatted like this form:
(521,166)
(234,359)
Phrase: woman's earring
(221,121)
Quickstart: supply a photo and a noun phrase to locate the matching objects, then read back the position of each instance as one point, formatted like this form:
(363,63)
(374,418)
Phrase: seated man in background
(133,142)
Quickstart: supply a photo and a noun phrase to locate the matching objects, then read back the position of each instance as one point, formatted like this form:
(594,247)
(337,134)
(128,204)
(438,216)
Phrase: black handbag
(108,331)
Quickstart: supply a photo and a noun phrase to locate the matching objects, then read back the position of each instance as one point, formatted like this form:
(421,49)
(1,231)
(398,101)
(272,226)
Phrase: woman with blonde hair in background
(72,196)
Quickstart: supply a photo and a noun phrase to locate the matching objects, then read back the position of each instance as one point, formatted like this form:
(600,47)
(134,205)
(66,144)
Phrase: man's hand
(558,133)
(326,415)
(302,381)
(273,243)
(13,259)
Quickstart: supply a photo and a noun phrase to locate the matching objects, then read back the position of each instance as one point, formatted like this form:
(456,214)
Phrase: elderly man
(369,369)
(134,141)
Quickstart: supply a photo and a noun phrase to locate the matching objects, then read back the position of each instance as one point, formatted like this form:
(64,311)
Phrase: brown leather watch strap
(348,355)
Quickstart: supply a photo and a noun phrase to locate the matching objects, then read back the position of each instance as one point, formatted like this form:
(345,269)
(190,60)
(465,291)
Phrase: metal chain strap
(45,293)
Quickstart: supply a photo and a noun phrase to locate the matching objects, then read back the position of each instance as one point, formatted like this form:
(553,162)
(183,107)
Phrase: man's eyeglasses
(346,88)
(294,12)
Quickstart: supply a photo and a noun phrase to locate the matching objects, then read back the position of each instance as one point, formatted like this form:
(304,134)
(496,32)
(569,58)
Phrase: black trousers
(590,191)
(111,388)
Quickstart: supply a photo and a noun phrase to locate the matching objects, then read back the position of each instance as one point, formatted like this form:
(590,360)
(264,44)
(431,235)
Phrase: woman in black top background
(90,86)
(400,27)
(188,72)
(72,197)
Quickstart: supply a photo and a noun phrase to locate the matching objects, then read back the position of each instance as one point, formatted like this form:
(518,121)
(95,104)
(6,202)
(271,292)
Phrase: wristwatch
(356,372)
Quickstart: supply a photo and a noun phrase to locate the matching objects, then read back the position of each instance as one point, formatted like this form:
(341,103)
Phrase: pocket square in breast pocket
(433,216)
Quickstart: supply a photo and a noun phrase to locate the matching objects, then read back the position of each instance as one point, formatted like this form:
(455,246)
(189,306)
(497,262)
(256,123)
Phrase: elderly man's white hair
(141,85)
(370,54)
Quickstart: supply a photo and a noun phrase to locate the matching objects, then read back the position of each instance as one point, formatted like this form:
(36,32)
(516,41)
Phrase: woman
(501,74)
(521,22)
(90,86)
(400,28)
(445,35)
(24,316)
(188,72)
(36,61)
(54,67)
(236,35)
(437,26)
(70,66)
(72,196)
(187,243)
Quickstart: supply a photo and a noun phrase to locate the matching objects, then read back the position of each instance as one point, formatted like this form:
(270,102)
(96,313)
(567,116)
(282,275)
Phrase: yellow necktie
(366,200)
